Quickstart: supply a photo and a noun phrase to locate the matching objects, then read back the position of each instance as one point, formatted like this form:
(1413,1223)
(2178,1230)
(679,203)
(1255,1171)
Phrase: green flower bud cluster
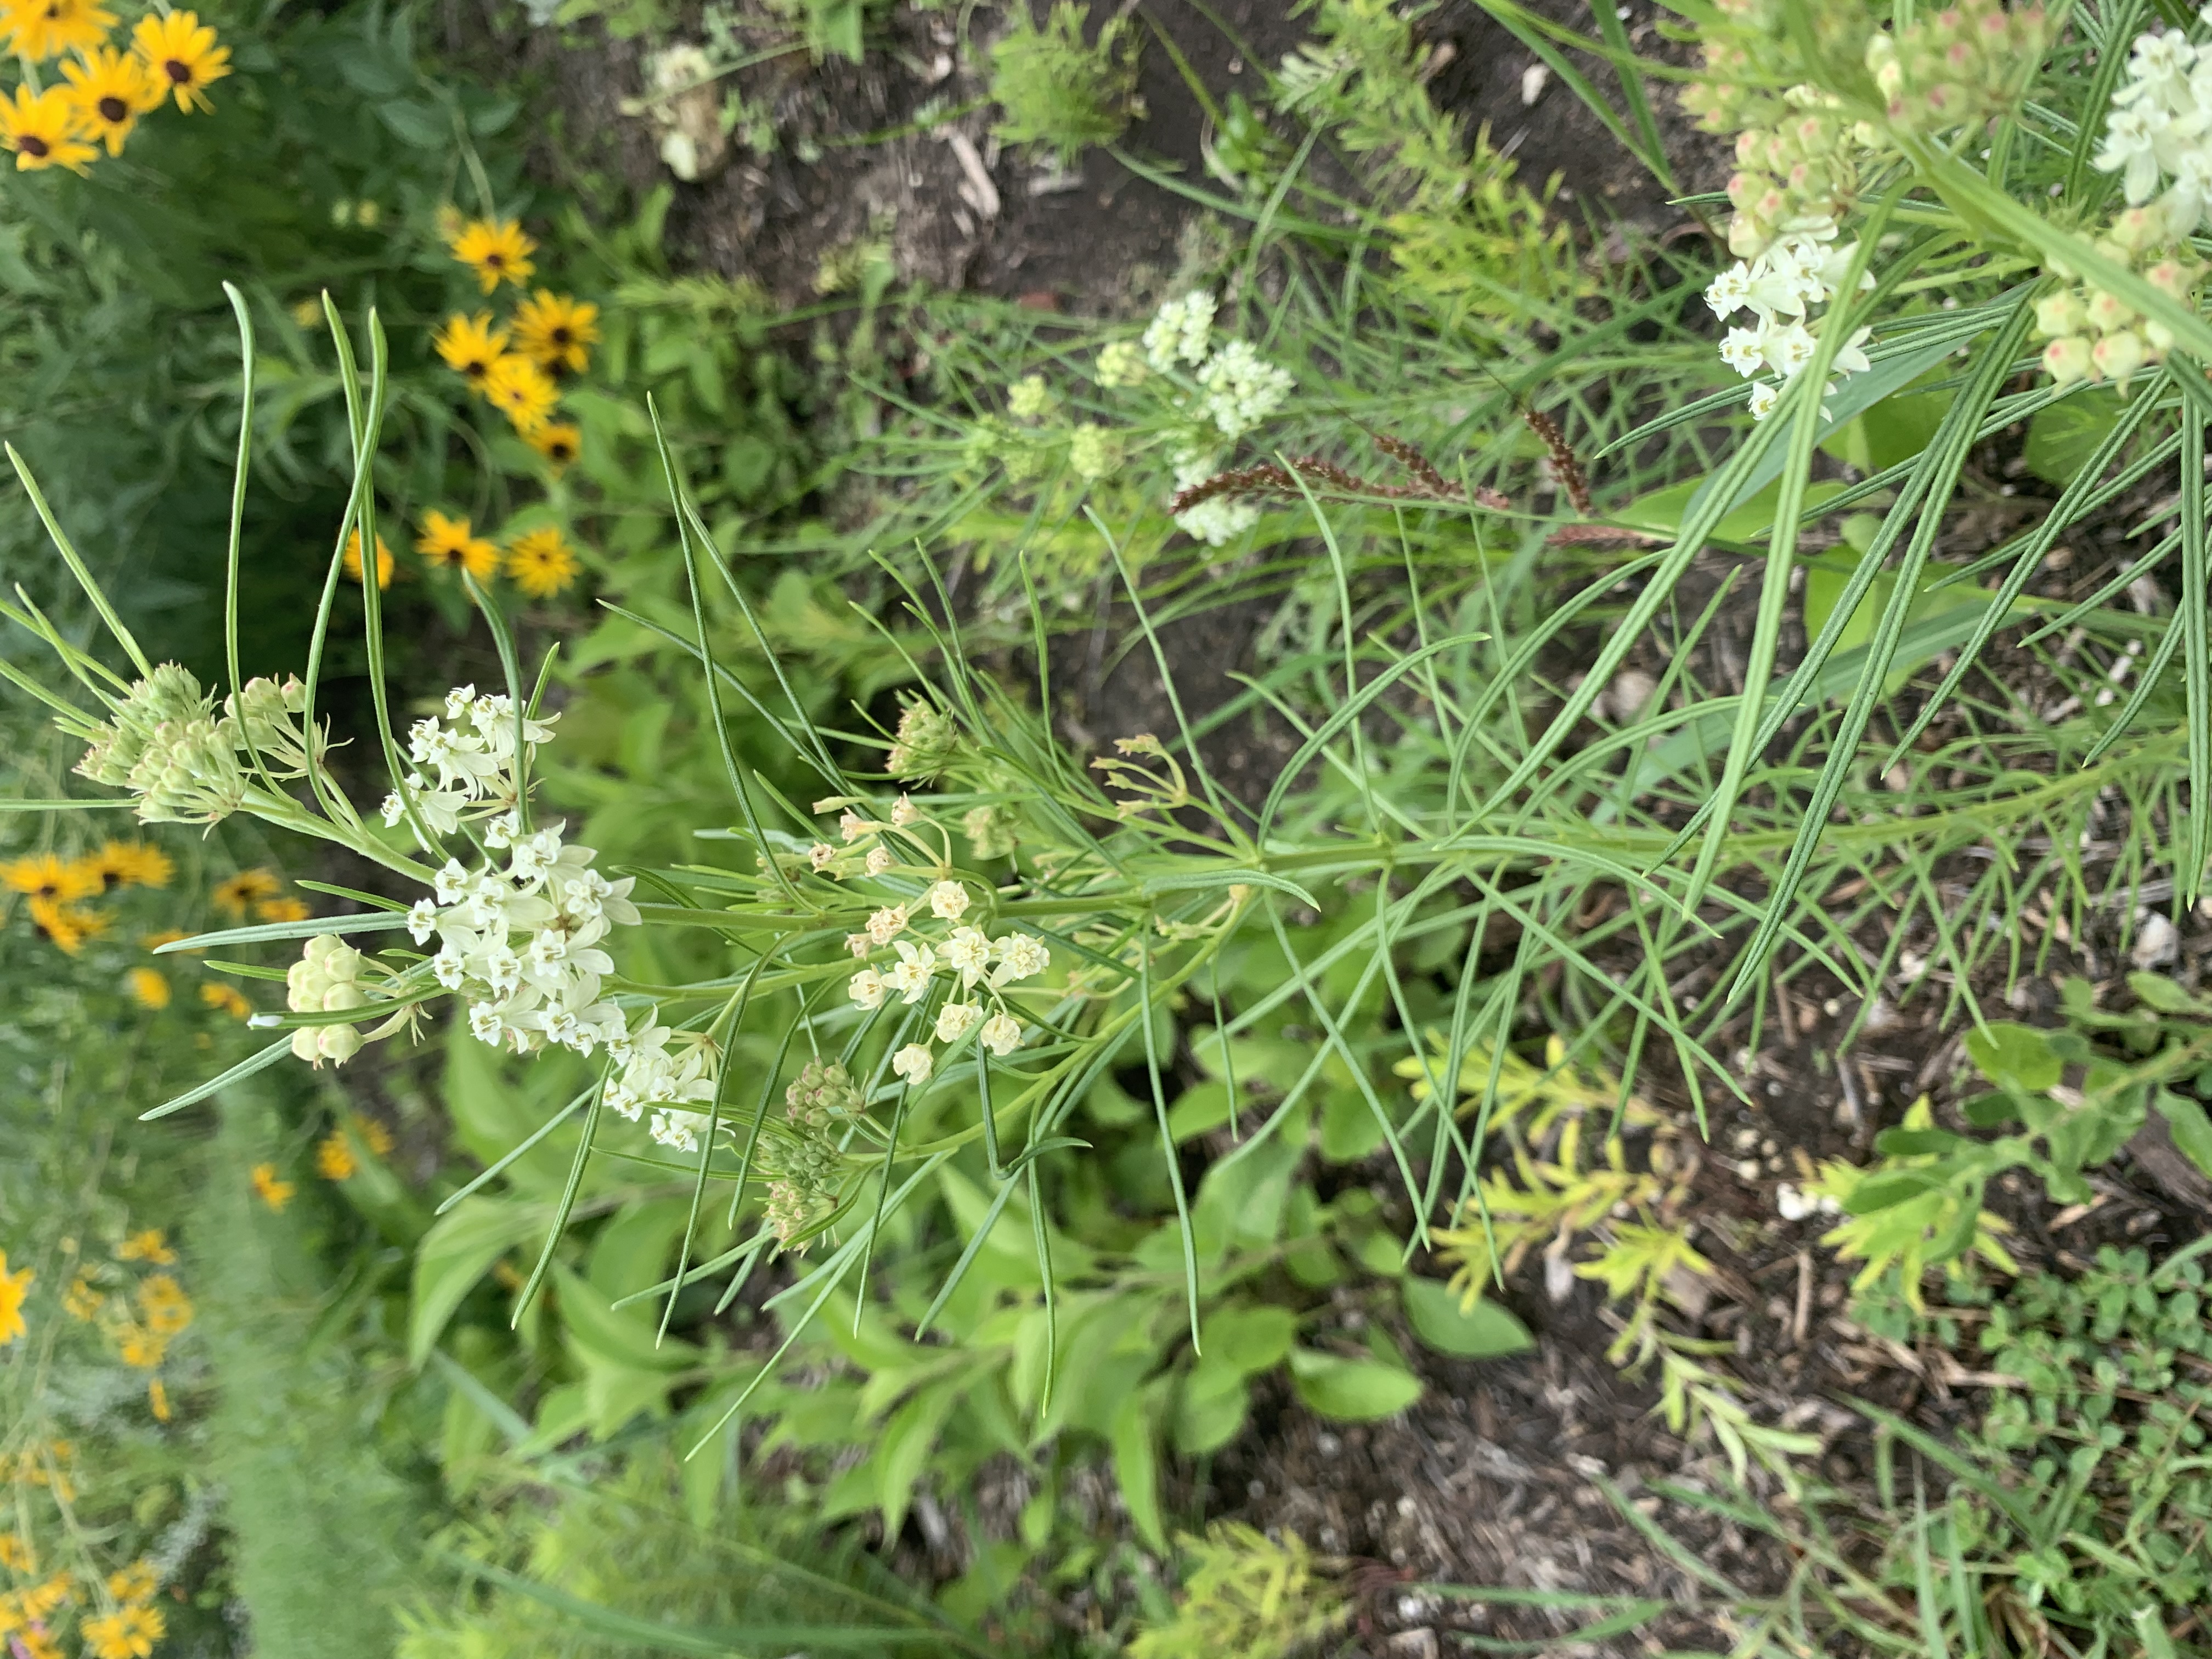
(167,695)
(1966,62)
(991,830)
(805,1169)
(1752,52)
(264,717)
(822,1096)
(1095,452)
(326,980)
(2096,333)
(1798,172)
(189,774)
(926,744)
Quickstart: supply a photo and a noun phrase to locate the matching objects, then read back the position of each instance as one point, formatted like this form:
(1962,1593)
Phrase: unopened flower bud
(2107,312)
(2118,356)
(2067,360)
(2061,313)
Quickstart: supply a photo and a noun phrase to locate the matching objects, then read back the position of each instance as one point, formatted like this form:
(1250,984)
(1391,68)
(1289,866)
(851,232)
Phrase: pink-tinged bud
(1747,148)
(2137,229)
(1890,77)
(2107,312)
(1945,101)
(2118,356)
(2060,314)
(2067,361)
(1812,135)
(2171,278)
(1742,186)
(2160,338)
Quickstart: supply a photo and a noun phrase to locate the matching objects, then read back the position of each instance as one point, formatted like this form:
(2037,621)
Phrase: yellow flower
(40,29)
(149,988)
(44,876)
(373,1135)
(148,1246)
(541,563)
(470,345)
(557,331)
(168,1310)
(16,1553)
(451,544)
(37,1644)
(82,1298)
(522,391)
(136,1583)
(334,1159)
(139,1347)
(157,1400)
(353,560)
(496,249)
(282,910)
(558,442)
(229,999)
(67,926)
(128,1634)
(38,1600)
(269,1189)
(42,129)
(181,56)
(131,864)
(110,90)
(238,895)
(14,1287)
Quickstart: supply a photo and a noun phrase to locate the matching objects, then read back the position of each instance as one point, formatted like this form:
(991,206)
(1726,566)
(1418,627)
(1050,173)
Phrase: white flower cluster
(966,955)
(1237,389)
(2160,128)
(472,752)
(521,942)
(1779,288)
(664,1068)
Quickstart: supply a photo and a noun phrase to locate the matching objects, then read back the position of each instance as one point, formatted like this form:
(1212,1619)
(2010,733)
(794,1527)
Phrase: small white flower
(904,811)
(912,975)
(621,1098)
(485,1022)
(1001,1034)
(1730,291)
(457,701)
(500,831)
(879,860)
(913,1063)
(448,970)
(887,924)
(393,810)
(1019,956)
(955,1019)
(1744,350)
(851,826)
(1851,358)
(968,953)
(948,900)
(563,1028)
(1764,400)
(678,1129)
(858,944)
(820,853)
(502,969)
(1788,350)
(451,884)
(421,921)
(867,988)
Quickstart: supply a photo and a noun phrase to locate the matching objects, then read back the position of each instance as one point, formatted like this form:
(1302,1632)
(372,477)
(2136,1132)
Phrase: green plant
(1246,1596)
(1058,92)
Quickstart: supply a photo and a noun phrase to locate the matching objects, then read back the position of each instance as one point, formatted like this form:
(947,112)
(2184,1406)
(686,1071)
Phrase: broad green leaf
(1210,1407)
(1357,1390)
(1247,1340)
(458,1251)
(2062,438)
(2190,1129)
(1137,1464)
(621,1338)
(903,1452)
(2015,1056)
(1483,1332)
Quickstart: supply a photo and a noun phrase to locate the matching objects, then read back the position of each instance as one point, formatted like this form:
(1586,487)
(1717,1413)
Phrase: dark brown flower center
(177,71)
(35,146)
(495,259)
(561,335)
(112,108)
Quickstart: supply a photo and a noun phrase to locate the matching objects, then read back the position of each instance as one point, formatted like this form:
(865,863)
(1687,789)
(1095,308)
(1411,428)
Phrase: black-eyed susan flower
(180,54)
(168,1308)
(131,864)
(66,927)
(14,1287)
(496,249)
(44,130)
(136,1583)
(451,544)
(40,29)
(229,999)
(282,910)
(242,891)
(559,441)
(157,1400)
(151,1245)
(373,1135)
(270,1188)
(127,1633)
(470,345)
(110,90)
(148,988)
(334,1159)
(555,331)
(45,876)
(522,391)
(542,563)
(353,560)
